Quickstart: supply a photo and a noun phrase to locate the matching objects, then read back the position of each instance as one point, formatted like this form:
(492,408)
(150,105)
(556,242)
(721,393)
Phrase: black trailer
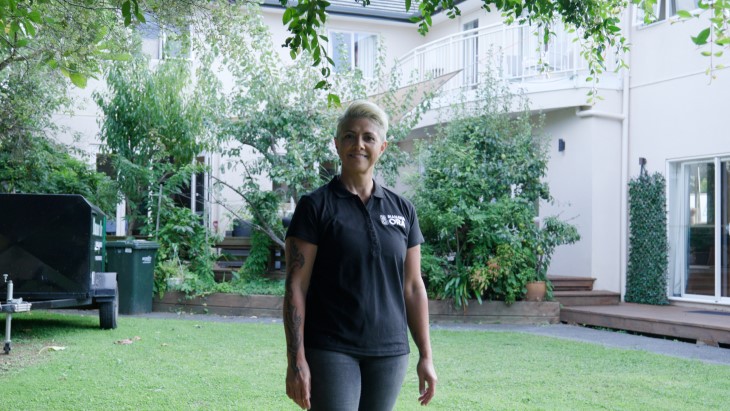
(52,248)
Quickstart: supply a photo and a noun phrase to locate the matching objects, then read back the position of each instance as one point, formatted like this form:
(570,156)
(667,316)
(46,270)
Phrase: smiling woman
(353,267)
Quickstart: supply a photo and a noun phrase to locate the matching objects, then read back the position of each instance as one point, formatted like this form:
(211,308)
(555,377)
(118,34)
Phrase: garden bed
(489,312)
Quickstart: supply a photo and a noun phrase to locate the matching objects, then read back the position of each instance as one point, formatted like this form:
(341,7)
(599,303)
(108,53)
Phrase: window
(664,9)
(351,50)
(164,42)
(687,5)
(699,229)
(471,53)
(193,194)
(658,14)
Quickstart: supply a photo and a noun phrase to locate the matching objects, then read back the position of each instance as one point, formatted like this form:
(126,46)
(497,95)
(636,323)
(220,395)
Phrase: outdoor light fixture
(561,145)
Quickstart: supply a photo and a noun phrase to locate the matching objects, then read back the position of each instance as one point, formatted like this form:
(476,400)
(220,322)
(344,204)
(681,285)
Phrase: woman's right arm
(299,262)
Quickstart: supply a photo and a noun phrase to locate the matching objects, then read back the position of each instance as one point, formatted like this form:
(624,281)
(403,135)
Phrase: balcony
(552,75)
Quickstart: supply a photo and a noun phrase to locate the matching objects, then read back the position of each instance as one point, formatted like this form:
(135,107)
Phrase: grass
(197,365)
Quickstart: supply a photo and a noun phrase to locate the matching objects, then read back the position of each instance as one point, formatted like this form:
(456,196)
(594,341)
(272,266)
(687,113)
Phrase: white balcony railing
(514,52)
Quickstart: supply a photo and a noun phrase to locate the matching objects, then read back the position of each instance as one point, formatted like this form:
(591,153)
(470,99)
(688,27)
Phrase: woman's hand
(298,382)
(426,380)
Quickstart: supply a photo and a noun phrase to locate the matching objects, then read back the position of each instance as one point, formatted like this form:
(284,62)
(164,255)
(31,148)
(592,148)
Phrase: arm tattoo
(294,257)
(292,317)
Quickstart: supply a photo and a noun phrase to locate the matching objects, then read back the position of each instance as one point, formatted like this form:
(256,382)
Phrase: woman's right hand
(298,382)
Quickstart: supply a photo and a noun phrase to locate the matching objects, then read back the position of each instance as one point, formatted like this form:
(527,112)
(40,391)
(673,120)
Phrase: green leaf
(139,14)
(684,14)
(29,28)
(127,12)
(333,100)
(286,18)
(78,79)
(706,53)
(701,38)
(35,16)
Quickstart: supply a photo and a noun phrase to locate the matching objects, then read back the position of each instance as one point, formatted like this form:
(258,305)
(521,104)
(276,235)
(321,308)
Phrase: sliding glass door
(699,229)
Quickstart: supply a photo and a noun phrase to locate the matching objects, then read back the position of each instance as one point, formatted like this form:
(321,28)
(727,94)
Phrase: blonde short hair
(364,109)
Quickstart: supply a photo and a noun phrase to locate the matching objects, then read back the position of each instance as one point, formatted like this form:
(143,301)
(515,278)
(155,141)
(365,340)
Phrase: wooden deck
(705,325)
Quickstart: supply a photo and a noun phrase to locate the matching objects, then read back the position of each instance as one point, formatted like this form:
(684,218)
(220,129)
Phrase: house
(666,110)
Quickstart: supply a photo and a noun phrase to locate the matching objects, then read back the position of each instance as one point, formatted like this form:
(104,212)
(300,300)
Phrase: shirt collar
(339,188)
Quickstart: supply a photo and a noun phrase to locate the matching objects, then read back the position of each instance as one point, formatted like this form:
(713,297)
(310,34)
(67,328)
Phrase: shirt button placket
(373,237)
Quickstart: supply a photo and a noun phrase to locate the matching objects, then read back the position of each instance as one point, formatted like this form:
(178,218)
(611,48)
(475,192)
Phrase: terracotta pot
(536,291)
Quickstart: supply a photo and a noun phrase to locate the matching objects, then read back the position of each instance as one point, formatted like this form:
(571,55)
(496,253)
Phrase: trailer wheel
(108,312)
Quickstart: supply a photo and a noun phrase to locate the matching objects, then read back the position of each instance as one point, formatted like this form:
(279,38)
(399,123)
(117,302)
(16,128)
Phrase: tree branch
(265,228)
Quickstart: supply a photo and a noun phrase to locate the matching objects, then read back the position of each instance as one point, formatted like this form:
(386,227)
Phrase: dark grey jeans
(342,382)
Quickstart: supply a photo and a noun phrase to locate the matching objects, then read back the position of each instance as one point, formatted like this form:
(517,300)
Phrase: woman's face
(359,145)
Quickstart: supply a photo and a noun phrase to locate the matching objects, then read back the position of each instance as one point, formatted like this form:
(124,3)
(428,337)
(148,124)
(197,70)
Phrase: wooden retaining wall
(496,312)
(489,312)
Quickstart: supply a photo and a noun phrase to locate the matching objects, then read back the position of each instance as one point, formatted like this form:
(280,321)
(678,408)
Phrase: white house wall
(677,111)
(80,127)
(585,184)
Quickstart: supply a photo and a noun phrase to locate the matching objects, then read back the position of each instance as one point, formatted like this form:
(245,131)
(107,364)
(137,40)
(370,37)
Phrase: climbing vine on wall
(646,281)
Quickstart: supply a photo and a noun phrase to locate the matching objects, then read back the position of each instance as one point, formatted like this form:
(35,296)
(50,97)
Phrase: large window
(699,225)
(351,50)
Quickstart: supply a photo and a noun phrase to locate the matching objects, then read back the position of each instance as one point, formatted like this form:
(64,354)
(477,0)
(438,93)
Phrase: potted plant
(547,235)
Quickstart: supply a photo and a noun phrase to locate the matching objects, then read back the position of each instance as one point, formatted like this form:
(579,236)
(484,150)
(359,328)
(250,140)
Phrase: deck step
(565,283)
(706,326)
(593,297)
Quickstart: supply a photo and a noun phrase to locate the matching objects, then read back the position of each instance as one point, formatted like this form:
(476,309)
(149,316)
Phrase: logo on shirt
(393,220)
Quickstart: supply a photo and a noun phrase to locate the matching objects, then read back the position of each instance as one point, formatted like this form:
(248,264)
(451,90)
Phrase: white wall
(585,183)
(80,127)
(677,110)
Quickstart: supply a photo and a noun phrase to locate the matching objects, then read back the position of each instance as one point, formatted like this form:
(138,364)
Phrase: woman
(354,283)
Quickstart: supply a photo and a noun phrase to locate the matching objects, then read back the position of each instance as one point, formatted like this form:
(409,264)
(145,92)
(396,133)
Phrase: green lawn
(183,365)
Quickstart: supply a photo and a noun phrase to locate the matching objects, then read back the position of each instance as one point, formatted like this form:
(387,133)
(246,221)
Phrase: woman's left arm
(416,300)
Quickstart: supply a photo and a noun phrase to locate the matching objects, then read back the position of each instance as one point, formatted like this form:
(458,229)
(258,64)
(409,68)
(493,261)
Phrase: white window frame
(660,14)
(677,193)
(332,33)
(664,10)
(161,38)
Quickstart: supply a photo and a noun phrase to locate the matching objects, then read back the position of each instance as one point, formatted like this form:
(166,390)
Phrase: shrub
(477,200)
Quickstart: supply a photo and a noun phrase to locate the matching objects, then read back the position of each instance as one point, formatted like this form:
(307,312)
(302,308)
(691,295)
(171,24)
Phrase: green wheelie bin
(134,262)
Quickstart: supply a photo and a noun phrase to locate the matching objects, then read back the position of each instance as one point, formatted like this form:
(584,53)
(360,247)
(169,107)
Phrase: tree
(275,112)
(78,37)
(598,22)
(153,128)
(31,160)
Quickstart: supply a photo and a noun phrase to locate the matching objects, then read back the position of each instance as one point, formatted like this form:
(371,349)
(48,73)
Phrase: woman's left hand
(426,380)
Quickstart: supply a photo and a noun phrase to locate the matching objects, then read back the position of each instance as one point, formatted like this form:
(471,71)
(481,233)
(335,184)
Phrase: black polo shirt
(355,300)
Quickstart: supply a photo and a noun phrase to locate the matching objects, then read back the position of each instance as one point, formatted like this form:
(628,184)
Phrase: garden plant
(478,197)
